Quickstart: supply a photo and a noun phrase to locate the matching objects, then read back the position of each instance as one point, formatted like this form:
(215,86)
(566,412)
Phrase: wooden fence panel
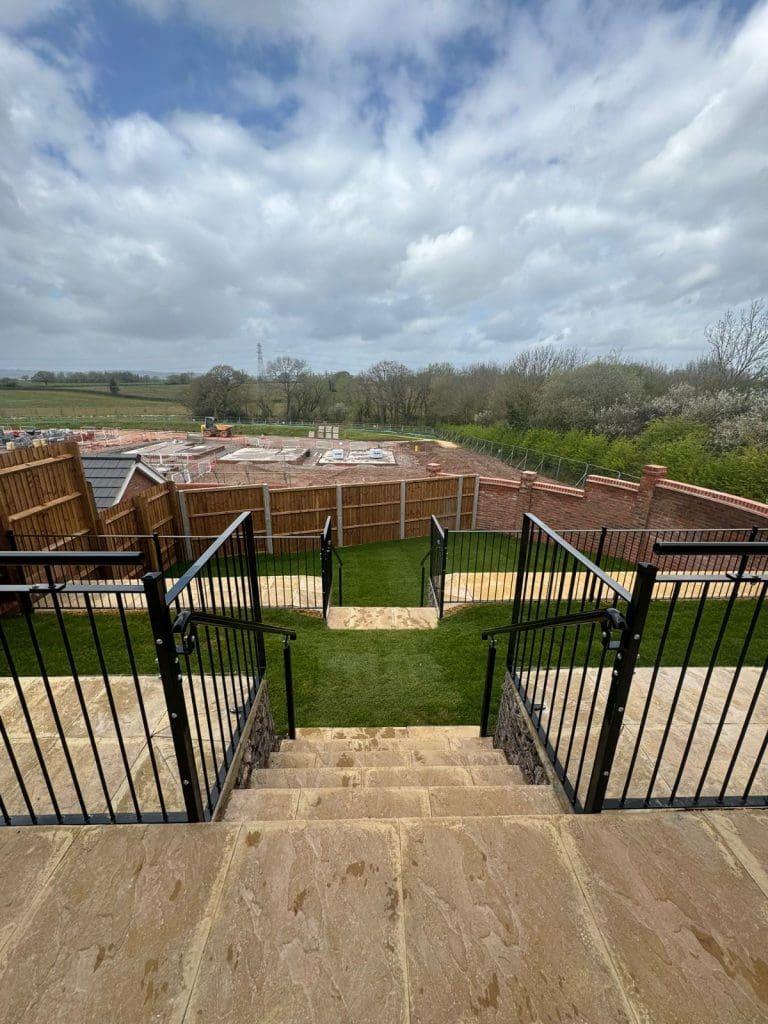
(302,510)
(43,492)
(436,496)
(210,510)
(371,512)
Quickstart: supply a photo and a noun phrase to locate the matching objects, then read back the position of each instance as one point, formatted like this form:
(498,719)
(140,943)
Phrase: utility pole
(260,361)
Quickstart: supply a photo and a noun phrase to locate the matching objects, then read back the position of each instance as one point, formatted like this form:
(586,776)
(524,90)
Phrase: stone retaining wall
(261,742)
(513,736)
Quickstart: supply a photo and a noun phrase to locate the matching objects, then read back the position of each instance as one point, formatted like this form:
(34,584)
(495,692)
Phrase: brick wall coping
(610,481)
(574,492)
(499,480)
(720,496)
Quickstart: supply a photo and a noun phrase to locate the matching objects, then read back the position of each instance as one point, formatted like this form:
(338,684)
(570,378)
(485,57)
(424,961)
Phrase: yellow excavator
(213,429)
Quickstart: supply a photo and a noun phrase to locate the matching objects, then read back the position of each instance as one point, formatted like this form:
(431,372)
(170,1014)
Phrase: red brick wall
(654,502)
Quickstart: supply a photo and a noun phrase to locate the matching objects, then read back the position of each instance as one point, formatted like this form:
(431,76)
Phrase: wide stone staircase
(408,772)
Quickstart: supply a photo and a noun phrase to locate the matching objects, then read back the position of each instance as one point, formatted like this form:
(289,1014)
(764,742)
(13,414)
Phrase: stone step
(358,802)
(468,743)
(388,732)
(401,757)
(343,778)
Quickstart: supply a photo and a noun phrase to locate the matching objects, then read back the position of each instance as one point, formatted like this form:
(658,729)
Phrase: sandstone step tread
(423,775)
(443,742)
(361,802)
(402,758)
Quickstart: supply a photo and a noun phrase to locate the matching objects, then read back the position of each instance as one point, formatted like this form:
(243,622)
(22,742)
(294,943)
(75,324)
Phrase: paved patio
(650,917)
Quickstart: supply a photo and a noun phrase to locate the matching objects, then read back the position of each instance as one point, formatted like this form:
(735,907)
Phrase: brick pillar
(651,476)
(525,497)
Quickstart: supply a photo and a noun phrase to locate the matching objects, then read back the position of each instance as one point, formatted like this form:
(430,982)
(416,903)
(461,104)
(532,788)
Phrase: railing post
(443,563)
(490,666)
(253,583)
(289,703)
(170,674)
(621,681)
(517,603)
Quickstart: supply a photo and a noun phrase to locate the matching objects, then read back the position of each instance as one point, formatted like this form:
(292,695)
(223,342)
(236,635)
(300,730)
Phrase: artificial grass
(357,678)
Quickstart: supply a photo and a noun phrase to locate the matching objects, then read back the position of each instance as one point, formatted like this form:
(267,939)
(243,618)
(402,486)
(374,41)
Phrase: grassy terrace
(368,678)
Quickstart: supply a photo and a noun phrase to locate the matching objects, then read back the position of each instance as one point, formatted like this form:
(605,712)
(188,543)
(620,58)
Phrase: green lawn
(375,678)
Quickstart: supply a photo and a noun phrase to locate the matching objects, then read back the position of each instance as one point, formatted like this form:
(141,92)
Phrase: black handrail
(206,556)
(581,558)
(338,558)
(712,547)
(204,619)
(611,616)
(71,558)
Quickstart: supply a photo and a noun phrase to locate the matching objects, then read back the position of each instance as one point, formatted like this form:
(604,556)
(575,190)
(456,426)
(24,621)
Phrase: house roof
(109,476)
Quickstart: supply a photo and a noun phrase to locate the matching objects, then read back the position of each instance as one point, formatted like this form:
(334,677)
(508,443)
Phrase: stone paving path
(381,618)
(637,918)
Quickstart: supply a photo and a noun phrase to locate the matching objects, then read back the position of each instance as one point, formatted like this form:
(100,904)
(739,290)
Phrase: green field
(150,406)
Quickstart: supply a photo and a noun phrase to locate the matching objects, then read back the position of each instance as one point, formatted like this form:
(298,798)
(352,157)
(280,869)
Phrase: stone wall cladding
(261,742)
(513,736)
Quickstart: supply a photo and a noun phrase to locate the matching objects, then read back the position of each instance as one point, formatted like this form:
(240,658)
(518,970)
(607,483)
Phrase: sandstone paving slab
(468,758)
(424,775)
(309,929)
(368,618)
(722,693)
(746,833)
(120,931)
(383,732)
(445,731)
(364,758)
(374,743)
(28,857)
(686,924)
(95,794)
(451,801)
(365,802)
(497,775)
(314,778)
(284,759)
(497,929)
(262,804)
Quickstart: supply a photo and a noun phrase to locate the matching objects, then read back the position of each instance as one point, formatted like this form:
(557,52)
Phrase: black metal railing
(696,727)
(290,565)
(672,711)
(561,655)
(136,715)
(329,554)
(480,565)
(438,542)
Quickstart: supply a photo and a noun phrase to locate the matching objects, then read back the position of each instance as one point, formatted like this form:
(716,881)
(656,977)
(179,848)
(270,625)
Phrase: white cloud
(603,180)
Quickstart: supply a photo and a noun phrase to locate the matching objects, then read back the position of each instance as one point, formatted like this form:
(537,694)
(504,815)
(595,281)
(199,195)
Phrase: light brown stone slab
(121,929)
(467,758)
(381,618)
(443,731)
(365,802)
(28,857)
(497,775)
(281,759)
(450,801)
(686,924)
(746,833)
(376,732)
(437,775)
(486,941)
(262,805)
(364,758)
(309,929)
(314,778)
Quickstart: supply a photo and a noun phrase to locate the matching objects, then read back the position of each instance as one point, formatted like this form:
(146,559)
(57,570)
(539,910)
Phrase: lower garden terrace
(237,808)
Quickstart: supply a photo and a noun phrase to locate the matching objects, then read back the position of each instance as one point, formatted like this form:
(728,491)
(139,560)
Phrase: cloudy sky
(352,180)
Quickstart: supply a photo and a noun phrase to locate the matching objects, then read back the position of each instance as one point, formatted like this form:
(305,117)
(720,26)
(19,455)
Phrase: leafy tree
(223,393)
(287,372)
(114,387)
(42,377)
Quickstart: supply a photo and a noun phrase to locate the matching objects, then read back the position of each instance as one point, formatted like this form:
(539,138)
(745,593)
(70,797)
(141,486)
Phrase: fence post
(252,566)
(267,502)
(170,674)
(618,692)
